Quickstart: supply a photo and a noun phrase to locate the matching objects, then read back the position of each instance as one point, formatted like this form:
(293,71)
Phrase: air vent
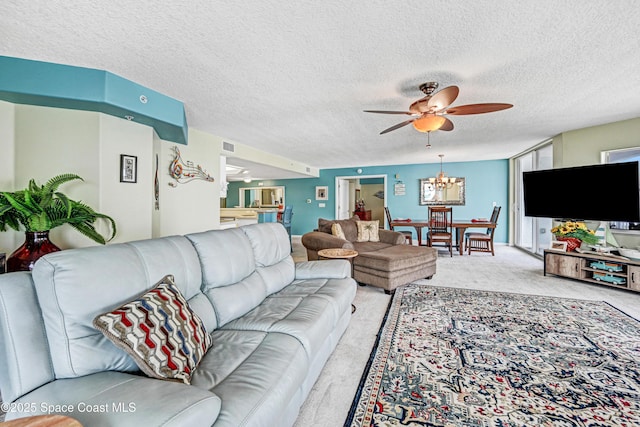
(308,169)
(227,146)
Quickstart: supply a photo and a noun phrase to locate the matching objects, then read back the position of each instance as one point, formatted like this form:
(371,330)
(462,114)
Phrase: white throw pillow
(368,231)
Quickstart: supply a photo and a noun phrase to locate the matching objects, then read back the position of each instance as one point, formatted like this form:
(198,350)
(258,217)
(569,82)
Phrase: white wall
(194,206)
(7,168)
(41,142)
(53,141)
(259,156)
(129,204)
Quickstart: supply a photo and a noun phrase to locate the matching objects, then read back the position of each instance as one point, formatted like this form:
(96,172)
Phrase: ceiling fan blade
(442,99)
(398,126)
(462,110)
(448,125)
(388,112)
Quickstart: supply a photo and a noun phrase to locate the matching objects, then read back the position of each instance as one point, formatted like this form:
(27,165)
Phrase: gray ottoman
(395,266)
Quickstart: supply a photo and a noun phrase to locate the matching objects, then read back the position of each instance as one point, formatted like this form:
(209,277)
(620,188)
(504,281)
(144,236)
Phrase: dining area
(440,228)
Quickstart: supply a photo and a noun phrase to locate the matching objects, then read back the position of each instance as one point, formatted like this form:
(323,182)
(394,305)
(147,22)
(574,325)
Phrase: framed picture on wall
(322,193)
(128,168)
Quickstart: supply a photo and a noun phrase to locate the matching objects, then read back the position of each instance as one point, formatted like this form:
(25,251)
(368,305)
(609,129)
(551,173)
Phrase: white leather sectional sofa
(273,325)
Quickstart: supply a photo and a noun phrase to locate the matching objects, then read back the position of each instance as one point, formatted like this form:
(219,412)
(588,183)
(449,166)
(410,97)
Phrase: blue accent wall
(486,181)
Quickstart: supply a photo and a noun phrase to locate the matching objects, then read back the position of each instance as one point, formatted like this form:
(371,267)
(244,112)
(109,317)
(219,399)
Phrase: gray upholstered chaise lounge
(387,263)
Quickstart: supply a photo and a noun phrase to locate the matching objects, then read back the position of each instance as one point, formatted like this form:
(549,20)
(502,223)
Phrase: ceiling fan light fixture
(429,123)
(428,111)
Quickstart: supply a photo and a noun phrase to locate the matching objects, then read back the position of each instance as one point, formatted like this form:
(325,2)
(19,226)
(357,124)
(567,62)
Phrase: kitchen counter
(245,216)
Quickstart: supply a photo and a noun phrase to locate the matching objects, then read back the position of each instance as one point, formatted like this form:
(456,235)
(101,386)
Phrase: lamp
(428,122)
(442,181)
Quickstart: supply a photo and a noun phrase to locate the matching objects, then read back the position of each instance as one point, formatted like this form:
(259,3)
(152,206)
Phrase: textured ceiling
(292,77)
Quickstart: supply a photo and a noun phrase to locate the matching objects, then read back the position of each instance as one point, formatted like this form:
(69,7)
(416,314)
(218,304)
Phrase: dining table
(460,226)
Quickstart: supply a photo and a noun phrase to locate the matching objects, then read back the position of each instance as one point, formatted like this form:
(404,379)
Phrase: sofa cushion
(309,319)
(124,400)
(339,291)
(349,227)
(272,252)
(368,231)
(24,353)
(396,258)
(229,279)
(75,285)
(226,256)
(255,374)
(363,247)
(160,331)
(269,241)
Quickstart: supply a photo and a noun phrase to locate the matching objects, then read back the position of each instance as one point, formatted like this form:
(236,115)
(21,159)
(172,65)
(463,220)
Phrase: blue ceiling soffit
(46,84)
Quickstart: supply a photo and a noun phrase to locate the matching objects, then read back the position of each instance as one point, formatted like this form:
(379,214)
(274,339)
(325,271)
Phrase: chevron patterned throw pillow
(160,331)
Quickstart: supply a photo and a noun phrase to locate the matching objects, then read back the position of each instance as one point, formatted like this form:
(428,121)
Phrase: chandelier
(442,181)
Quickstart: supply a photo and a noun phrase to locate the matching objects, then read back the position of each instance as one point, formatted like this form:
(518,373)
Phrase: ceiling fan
(428,112)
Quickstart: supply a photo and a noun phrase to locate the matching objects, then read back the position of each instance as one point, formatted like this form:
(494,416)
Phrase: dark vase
(36,244)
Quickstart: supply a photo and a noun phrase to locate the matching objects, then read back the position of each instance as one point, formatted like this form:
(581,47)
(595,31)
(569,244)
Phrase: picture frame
(128,168)
(322,192)
(558,245)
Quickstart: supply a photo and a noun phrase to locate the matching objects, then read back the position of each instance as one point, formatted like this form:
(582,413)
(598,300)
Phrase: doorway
(369,189)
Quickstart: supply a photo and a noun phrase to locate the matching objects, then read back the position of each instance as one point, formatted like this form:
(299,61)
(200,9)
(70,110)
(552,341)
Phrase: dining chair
(440,230)
(483,242)
(408,235)
(286,219)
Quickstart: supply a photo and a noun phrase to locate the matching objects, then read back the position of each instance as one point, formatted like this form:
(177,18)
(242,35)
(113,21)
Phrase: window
(620,156)
(531,234)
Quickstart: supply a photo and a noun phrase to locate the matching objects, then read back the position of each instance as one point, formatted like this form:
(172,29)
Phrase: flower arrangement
(577,230)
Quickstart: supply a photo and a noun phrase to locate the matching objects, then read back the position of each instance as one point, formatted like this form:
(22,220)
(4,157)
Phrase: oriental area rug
(457,357)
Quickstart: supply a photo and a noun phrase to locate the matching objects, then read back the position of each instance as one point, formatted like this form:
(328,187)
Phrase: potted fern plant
(40,208)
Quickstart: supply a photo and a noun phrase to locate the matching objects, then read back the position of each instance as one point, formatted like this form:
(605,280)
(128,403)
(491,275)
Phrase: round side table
(339,253)
(43,421)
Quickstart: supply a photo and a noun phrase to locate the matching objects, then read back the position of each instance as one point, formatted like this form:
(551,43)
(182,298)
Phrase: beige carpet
(511,270)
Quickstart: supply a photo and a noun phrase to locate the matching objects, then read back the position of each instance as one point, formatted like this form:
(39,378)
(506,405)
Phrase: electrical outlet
(321,205)
(494,204)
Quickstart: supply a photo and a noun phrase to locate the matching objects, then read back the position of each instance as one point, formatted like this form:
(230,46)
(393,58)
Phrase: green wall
(584,146)
(487,182)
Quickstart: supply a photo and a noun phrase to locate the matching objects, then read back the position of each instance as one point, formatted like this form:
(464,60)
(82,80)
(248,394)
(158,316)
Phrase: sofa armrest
(391,237)
(317,240)
(24,351)
(329,269)
(120,399)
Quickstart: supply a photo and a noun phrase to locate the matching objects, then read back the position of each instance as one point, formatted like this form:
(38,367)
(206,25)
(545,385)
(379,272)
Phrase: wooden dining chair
(483,242)
(408,235)
(440,230)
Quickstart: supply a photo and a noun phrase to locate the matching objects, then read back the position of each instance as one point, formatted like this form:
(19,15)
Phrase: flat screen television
(607,192)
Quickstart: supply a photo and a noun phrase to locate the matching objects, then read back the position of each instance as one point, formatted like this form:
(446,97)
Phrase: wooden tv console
(617,272)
